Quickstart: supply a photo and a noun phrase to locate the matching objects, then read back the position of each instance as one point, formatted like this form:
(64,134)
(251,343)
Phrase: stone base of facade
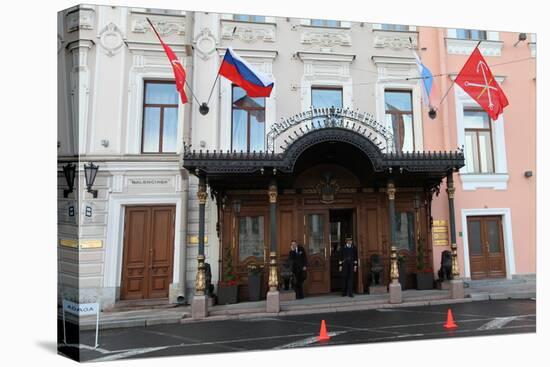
(199,307)
(378,289)
(273,304)
(444,285)
(457,288)
(176,294)
(289,295)
(395,293)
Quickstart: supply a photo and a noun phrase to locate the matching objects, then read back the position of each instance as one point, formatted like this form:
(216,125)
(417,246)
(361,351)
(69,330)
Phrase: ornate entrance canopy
(342,130)
(284,133)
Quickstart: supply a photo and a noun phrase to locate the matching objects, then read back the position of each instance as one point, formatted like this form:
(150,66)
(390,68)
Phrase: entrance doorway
(325,231)
(148,252)
(341,227)
(486,247)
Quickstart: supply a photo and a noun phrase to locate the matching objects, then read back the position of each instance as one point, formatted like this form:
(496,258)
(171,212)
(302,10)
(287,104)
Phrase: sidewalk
(483,290)
(474,290)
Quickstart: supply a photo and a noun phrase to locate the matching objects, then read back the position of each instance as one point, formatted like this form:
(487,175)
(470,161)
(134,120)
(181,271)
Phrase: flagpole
(212,90)
(160,39)
(453,81)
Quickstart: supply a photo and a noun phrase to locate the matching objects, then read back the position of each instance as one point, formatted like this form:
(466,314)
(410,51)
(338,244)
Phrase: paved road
(382,325)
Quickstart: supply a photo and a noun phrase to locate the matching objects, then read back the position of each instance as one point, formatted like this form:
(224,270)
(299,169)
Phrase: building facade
(342,147)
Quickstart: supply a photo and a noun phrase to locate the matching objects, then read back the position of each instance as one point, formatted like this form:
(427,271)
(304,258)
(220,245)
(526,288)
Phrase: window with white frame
(471,34)
(249,18)
(399,115)
(478,142)
(160,117)
(394,27)
(326,97)
(325,23)
(248,121)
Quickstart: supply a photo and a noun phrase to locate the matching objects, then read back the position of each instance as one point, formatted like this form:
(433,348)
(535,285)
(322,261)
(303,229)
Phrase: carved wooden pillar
(451,195)
(273,277)
(273,300)
(394,287)
(200,282)
(457,284)
(199,306)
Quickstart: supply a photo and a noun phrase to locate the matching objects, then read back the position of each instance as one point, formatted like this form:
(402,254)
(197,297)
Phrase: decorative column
(457,284)
(273,298)
(199,307)
(394,287)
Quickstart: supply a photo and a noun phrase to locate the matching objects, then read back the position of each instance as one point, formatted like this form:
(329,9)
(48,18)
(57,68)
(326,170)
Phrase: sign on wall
(440,233)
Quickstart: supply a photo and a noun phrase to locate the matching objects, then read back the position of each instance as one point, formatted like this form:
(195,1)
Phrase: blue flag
(426,78)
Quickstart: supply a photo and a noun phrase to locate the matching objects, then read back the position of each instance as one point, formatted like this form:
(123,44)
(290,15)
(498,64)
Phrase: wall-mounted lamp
(69,172)
(237,206)
(432,113)
(90,171)
(521,37)
(528,174)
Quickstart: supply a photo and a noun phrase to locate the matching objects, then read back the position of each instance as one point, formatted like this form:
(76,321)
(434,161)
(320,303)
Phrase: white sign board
(81,309)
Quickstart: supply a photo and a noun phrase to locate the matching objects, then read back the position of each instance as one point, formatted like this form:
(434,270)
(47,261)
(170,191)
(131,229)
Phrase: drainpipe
(444,87)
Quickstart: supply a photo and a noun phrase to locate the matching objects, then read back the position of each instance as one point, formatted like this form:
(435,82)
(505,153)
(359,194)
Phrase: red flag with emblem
(179,71)
(477,80)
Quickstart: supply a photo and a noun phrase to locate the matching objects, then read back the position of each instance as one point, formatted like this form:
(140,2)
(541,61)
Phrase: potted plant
(424,274)
(254,281)
(402,267)
(228,288)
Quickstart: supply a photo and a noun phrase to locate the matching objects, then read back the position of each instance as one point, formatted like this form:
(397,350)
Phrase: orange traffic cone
(450,324)
(323,335)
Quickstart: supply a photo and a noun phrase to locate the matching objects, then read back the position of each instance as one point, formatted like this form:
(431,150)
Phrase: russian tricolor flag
(236,69)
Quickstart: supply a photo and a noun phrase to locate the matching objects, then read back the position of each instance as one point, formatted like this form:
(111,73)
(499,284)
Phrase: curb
(250,314)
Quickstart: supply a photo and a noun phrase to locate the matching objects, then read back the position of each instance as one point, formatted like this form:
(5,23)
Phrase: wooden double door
(486,247)
(325,231)
(148,252)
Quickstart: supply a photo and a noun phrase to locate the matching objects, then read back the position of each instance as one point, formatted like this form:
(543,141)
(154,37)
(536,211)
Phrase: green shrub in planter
(254,282)
(228,287)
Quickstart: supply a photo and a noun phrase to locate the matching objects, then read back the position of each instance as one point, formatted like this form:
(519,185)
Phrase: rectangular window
(471,34)
(251,237)
(478,142)
(325,23)
(404,228)
(248,122)
(399,115)
(395,27)
(249,18)
(160,117)
(323,97)
(316,233)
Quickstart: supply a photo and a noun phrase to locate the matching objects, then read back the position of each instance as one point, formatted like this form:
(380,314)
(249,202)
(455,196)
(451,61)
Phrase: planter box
(424,281)
(227,295)
(254,287)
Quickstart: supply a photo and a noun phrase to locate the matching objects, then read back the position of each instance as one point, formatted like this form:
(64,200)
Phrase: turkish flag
(477,80)
(179,71)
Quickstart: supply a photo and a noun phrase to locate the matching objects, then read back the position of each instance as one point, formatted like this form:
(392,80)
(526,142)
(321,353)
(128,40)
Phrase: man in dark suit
(348,266)
(298,260)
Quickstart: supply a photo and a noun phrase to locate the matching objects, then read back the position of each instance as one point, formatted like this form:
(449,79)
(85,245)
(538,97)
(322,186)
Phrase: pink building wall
(518,67)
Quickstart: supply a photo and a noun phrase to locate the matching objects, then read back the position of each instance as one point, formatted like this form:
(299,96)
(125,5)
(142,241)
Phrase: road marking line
(497,323)
(87,347)
(307,341)
(129,353)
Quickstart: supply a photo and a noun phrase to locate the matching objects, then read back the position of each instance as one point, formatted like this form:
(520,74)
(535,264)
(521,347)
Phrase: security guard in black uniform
(298,260)
(348,267)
